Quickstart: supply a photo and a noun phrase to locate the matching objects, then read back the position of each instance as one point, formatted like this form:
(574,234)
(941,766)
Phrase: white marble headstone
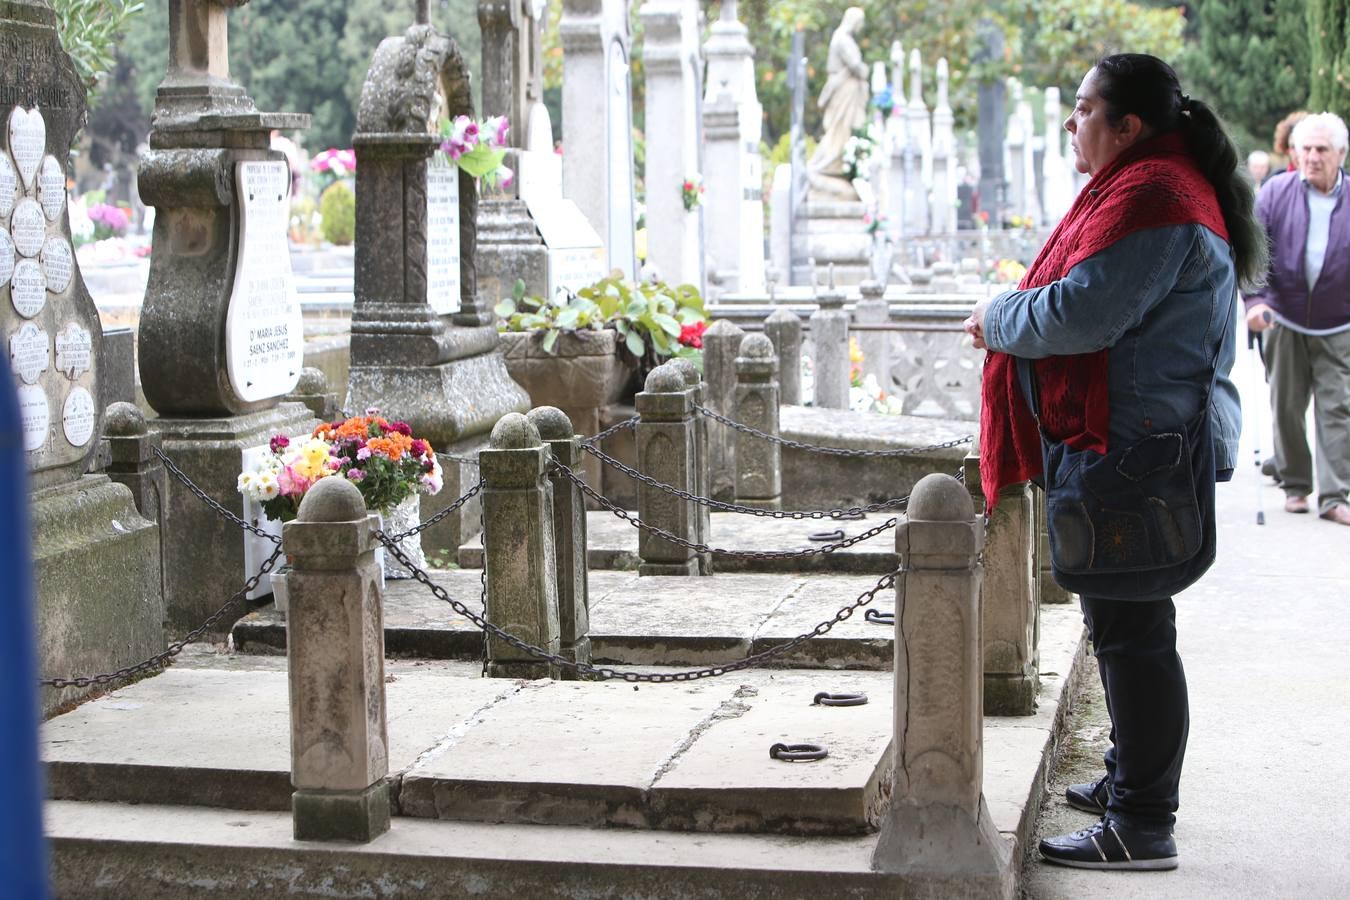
(442,236)
(264,333)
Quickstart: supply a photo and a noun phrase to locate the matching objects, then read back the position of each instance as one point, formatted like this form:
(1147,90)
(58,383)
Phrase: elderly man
(1305,314)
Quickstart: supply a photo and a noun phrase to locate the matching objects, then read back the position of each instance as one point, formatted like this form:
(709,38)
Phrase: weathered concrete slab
(853,643)
(612,543)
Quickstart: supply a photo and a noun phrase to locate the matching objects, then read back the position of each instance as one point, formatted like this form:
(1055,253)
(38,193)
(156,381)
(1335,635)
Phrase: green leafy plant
(337,212)
(655,320)
(89,32)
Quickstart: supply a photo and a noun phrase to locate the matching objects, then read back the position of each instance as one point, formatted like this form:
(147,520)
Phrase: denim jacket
(1164,301)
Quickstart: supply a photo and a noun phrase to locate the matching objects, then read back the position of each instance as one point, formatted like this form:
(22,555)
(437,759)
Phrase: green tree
(1249,60)
(1329,37)
(89,30)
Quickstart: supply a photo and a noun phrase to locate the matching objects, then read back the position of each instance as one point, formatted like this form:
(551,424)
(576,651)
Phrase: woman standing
(1121,337)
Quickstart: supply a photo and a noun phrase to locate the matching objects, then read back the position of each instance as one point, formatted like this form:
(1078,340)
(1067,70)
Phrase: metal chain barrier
(833,451)
(600,672)
(630,422)
(852,512)
(718,551)
(201,495)
(442,514)
(161,660)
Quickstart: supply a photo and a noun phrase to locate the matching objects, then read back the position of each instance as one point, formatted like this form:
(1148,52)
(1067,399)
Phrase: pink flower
(355,475)
(291,483)
(455,148)
(419,447)
(505,176)
(279,442)
(401,428)
(363,453)
(496,129)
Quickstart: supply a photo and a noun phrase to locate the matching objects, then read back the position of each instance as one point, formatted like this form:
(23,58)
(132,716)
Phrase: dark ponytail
(1145,86)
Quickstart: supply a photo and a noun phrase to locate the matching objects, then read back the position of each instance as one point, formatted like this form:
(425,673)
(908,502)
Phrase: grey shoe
(1090,797)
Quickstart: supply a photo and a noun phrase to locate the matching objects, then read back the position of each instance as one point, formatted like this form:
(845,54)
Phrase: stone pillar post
(829,335)
(569,535)
(703,525)
(759,470)
(937,820)
(784,328)
(335,651)
(133,463)
(1011,608)
(873,309)
(721,344)
(1047,588)
(665,451)
(518,554)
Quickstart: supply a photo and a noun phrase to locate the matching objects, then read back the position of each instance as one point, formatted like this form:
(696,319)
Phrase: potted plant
(386,463)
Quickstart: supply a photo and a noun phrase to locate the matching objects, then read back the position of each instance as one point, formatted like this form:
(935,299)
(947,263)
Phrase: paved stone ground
(1264,637)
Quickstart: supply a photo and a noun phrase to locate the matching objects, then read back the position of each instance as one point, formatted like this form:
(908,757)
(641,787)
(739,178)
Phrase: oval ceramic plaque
(6,257)
(29,352)
(27,142)
(35,414)
(9,186)
(52,188)
(73,350)
(28,227)
(27,288)
(77,417)
(58,261)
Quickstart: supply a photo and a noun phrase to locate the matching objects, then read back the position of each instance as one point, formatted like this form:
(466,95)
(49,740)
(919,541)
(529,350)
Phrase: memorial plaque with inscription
(52,188)
(77,417)
(264,333)
(27,142)
(6,257)
(28,227)
(74,346)
(29,352)
(28,288)
(9,186)
(58,263)
(442,236)
(36,416)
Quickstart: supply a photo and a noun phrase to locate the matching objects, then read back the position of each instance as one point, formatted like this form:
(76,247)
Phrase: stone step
(612,543)
(641,620)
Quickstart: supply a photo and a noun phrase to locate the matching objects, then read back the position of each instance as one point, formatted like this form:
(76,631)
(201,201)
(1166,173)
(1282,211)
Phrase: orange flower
(356,426)
(392,445)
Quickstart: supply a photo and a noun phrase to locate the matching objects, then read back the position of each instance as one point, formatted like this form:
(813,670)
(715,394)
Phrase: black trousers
(1135,643)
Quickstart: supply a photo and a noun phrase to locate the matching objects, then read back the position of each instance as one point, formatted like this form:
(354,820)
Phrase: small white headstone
(35,414)
(28,288)
(29,352)
(74,347)
(58,263)
(442,236)
(27,142)
(52,188)
(576,256)
(264,333)
(6,257)
(28,227)
(77,417)
(9,185)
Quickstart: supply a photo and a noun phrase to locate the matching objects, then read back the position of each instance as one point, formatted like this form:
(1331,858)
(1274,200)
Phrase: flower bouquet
(691,192)
(479,148)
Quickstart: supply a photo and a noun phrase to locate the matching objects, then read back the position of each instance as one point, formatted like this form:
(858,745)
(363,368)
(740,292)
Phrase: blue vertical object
(23,852)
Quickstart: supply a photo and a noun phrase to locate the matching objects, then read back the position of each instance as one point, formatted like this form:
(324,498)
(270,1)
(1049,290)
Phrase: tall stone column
(943,195)
(671,60)
(1056,170)
(872,308)
(721,346)
(694,382)
(335,663)
(992,122)
(518,554)
(424,348)
(784,328)
(1010,603)
(732,124)
(919,155)
(665,452)
(1019,151)
(829,338)
(569,535)
(598,161)
(938,821)
(759,469)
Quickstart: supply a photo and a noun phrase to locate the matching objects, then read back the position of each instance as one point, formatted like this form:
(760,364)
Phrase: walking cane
(1254,342)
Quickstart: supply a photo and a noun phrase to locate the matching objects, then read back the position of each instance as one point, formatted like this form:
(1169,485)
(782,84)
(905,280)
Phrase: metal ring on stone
(797,752)
(848,515)
(836,535)
(825,698)
(877,617)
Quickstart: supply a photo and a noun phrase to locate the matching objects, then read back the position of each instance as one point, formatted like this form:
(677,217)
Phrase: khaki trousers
(1302,367)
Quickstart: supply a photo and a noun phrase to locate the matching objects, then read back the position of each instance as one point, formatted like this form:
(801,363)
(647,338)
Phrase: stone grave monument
(424,346)
(96,561)
(1056,166)
(731,130)
(221,338)
(943,196)
(527,230)
(674,152)
(991,123)
(788,247)
(597,166)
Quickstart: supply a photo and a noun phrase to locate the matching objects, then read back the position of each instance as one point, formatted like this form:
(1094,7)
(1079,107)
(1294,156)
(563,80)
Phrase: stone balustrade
(665,451)
(759,469)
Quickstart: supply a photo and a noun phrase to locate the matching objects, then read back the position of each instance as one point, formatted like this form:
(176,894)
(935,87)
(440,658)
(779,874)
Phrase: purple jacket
(1282,208)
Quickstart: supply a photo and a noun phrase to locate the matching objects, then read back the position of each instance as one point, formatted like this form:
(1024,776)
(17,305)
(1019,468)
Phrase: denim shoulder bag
(1138,522)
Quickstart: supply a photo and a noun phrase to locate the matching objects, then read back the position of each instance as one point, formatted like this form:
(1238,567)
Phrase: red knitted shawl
(1151,184)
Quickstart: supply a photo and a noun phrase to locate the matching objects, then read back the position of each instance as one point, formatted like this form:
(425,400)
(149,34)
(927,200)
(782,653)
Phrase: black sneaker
(1090,797)
(1268,469)
(1111,845)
